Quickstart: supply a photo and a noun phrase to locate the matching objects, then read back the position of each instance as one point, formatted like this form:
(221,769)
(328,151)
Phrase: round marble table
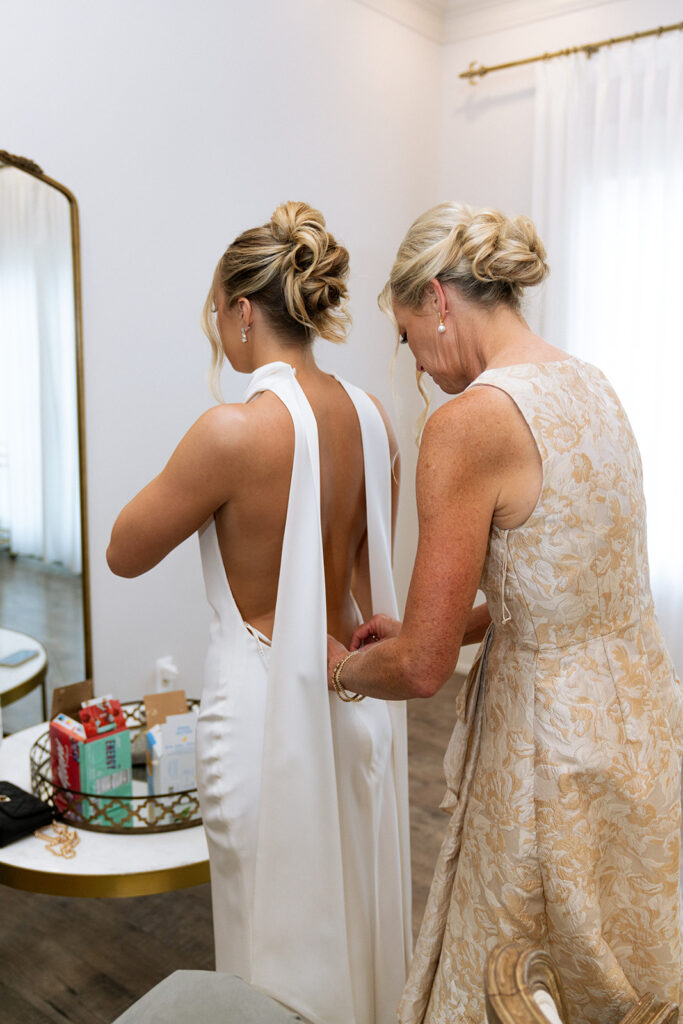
(105,864)
(18,680)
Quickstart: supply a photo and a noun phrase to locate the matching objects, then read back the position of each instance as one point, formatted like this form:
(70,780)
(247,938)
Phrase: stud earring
(243,335)
(442,327)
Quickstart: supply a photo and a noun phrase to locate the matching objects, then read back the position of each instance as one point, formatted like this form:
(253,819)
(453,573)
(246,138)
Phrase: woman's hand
(335,653)
(379,627)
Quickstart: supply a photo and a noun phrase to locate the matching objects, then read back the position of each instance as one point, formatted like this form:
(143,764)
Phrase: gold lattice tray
(144,813)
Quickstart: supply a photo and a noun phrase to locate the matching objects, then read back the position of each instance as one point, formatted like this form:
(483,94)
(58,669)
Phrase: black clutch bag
(21,813)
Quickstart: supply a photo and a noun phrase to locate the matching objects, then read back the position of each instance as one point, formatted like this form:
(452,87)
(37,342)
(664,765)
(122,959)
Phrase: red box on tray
(86,758)
(66,743)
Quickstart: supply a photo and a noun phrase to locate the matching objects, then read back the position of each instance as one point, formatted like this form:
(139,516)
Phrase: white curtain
(608,201)
(39,475)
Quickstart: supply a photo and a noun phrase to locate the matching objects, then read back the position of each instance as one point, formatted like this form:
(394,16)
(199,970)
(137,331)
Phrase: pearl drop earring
(244,335)
(442,327)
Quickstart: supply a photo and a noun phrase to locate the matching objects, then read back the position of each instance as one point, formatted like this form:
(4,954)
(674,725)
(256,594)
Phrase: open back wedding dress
(304,797)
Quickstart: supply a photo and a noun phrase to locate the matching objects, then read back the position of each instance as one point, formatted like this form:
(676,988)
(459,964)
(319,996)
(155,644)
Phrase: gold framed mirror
(44,571)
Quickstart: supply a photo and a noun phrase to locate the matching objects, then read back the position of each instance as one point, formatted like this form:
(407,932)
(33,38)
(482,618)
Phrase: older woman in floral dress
(564,765)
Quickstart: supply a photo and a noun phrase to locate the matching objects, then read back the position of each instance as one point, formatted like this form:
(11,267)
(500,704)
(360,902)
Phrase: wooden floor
(87,960)
(45,602)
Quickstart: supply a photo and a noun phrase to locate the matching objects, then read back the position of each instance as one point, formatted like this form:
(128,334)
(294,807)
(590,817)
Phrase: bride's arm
(191,487)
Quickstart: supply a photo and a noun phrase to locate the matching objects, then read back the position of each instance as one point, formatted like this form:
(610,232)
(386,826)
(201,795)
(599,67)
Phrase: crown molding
(427,17)
(449,21)
(466,19)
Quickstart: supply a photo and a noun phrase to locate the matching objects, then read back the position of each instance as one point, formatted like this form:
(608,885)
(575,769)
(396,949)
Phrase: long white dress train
(304,797)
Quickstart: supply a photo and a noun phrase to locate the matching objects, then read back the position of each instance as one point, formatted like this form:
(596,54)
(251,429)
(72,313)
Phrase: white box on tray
(171,755)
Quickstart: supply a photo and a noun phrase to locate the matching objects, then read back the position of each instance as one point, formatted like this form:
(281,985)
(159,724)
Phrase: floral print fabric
(563,772)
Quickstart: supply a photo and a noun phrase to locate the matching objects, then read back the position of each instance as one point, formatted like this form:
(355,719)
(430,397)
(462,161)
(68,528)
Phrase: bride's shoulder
(255,428)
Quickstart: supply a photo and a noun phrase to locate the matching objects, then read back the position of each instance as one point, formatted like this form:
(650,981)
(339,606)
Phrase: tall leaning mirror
(45,638)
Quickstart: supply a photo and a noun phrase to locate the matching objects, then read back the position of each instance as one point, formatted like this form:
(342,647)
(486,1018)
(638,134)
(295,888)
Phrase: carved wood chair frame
(514,972)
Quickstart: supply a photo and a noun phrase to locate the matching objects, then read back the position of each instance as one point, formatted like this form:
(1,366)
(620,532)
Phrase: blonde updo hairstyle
(488,257)
(293,270)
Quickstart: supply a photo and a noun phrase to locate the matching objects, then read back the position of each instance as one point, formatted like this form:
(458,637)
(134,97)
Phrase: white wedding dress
(304,797)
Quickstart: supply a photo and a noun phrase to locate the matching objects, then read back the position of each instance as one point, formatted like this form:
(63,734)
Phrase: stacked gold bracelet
(342,693)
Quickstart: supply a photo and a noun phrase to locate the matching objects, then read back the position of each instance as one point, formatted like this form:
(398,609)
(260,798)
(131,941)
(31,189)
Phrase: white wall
(177,125)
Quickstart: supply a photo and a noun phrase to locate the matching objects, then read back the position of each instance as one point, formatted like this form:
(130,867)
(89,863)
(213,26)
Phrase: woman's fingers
(379,627)
(365,634)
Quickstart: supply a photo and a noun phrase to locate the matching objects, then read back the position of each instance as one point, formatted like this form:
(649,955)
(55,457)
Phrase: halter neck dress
(563,770)
(304,797)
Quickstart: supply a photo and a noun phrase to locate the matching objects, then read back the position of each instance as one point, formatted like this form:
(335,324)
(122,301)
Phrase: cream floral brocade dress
(563,771)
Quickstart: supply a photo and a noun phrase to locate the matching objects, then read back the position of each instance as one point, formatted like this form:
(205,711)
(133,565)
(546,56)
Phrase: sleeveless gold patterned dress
(563,771)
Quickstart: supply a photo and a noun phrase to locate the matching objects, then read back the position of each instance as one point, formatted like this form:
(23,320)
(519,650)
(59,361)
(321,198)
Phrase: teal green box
(106,771)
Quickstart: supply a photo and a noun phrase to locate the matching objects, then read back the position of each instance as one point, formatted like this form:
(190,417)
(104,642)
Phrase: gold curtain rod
(475,71)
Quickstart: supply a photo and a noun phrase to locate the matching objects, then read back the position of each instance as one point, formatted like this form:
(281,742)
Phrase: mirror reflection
(41,533)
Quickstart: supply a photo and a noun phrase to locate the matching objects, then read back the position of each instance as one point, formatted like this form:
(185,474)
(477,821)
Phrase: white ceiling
(451,20)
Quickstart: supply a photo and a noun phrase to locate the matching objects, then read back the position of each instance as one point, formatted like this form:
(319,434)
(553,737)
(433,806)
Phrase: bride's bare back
(250,525)
(235,464)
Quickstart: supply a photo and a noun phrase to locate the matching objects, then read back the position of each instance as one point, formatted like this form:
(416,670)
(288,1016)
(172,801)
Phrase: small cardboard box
(70,699)
(93,757)
(170,743)
(107,766)
(171,755)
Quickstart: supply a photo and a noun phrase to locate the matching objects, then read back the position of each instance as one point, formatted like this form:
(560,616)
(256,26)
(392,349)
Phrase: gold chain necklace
(64,841)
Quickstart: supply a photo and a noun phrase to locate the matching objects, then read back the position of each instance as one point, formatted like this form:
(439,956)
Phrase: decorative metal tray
(134,814)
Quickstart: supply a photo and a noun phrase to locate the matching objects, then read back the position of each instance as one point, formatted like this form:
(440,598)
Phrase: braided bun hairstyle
(489,257)
(293,270)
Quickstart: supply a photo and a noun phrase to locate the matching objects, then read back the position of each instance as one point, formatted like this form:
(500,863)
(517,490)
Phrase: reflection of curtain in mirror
(608,198)
(38,417)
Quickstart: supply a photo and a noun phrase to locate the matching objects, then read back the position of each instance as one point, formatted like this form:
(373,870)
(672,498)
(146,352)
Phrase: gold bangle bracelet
(343,693)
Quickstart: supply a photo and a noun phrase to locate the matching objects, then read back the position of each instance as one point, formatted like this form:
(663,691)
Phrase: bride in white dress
(303,792)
